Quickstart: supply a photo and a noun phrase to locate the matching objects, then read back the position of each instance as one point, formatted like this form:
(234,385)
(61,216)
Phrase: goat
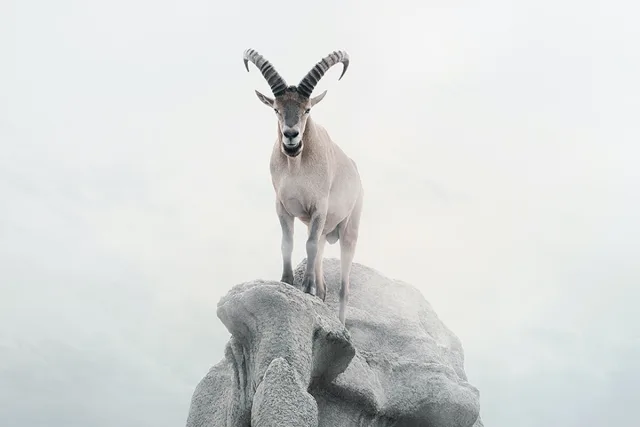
(314,180)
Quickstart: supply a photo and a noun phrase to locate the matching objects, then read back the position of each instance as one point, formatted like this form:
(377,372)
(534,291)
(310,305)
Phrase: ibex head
(292,104)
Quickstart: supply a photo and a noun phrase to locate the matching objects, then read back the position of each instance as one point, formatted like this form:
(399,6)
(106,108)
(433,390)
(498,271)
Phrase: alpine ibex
(314,180)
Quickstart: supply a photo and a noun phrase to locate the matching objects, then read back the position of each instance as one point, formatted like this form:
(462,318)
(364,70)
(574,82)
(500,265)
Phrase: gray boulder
(291,363)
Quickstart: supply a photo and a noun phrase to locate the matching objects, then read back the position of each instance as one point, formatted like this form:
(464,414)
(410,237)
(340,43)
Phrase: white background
(498,143)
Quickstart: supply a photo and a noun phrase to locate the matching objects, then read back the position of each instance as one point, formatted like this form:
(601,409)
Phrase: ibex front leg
(316,226)
(286,222)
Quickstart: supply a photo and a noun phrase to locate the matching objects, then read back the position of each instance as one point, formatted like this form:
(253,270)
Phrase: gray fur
(314,181)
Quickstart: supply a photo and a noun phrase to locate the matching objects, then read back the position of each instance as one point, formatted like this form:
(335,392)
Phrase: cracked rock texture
(291,363)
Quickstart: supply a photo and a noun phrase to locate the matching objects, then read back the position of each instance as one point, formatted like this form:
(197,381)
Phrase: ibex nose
(290,133)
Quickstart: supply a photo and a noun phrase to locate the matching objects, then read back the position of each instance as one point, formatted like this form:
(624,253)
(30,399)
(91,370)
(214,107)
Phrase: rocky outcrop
(291,363)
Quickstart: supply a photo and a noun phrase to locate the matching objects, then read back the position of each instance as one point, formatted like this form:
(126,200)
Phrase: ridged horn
(276,82)
(309,82)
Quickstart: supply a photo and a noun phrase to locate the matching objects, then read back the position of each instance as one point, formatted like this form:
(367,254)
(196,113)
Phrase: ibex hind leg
(320,285)
(348,241)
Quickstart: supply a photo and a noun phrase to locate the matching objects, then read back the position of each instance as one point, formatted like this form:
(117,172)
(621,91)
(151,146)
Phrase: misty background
(498,143)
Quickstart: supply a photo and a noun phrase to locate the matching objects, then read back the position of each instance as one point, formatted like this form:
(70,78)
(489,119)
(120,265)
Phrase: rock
(281,399)
(290,362)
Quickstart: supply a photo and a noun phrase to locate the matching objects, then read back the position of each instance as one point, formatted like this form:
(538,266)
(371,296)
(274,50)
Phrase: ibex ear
(318,98)
(265,99)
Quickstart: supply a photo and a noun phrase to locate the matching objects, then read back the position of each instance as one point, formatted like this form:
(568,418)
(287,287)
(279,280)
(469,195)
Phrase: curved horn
(309,82)
(277,83)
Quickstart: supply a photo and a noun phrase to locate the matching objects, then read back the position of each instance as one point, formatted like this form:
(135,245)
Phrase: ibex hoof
(309,285)
(287,278)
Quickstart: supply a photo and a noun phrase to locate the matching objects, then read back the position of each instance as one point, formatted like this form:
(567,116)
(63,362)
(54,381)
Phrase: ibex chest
(298,194)
(302,184)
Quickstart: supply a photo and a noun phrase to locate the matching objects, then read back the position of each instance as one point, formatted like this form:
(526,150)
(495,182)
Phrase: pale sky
(498,144)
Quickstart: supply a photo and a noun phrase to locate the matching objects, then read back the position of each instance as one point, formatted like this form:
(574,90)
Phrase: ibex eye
(276,110)
(307,111)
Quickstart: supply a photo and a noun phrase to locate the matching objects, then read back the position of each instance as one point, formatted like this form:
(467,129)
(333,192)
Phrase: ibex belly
(340,207)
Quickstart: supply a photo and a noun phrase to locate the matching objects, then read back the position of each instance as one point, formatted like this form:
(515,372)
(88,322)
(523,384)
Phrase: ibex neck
(310,132)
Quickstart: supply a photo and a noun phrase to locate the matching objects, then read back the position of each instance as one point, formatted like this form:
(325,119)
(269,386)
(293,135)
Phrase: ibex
(314,180)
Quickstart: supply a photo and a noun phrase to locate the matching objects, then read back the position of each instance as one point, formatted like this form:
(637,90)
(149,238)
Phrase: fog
(498,147)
